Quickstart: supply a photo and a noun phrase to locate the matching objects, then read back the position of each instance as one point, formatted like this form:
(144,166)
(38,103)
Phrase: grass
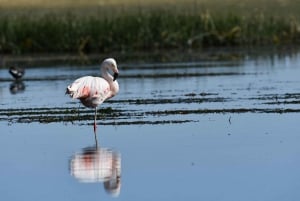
(38,26)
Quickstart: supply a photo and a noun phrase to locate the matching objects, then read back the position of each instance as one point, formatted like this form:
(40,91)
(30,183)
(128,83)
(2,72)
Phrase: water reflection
(95,164)
(17,86)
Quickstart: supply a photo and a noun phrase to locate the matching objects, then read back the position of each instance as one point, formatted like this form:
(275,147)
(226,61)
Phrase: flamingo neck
(106,75)
(114,86)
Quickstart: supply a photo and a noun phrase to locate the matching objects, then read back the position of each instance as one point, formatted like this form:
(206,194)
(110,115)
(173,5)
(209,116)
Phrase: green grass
(130,26)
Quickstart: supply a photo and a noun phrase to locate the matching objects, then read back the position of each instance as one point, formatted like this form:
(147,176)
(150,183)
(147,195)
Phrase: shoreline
(176,55)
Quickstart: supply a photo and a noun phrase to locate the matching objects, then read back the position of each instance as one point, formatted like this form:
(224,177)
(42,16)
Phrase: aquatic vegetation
(122,117)
(109,116)
(144,29)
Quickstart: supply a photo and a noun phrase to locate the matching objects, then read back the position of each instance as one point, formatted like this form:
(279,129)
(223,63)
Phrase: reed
(85,29)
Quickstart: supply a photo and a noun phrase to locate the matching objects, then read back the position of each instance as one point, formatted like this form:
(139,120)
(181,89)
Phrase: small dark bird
(16,72)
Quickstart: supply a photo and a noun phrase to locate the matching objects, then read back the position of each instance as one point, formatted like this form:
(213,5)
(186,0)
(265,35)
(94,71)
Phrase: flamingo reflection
(96,164)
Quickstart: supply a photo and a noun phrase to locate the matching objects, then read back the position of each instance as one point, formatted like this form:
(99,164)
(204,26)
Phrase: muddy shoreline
(158,56)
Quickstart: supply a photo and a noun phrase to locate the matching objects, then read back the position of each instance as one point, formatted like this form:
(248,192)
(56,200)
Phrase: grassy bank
(120,26)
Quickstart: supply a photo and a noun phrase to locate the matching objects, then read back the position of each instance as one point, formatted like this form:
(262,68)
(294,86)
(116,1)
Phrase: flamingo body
(92,91)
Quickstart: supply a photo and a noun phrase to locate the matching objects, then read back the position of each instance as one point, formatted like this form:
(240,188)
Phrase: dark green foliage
(141,31)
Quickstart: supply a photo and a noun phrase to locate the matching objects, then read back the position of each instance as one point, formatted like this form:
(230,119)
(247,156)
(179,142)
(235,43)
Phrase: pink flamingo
(92,91)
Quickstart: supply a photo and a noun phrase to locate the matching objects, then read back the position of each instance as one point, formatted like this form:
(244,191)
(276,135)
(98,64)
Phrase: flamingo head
(110,64)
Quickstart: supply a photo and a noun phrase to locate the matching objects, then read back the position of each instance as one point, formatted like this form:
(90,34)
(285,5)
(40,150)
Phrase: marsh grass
(131,26)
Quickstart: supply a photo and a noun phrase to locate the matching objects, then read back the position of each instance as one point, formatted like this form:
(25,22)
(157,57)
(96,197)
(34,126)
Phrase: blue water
(210,160)
(217,156)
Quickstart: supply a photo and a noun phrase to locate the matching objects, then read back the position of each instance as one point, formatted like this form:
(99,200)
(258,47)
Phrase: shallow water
(194,130)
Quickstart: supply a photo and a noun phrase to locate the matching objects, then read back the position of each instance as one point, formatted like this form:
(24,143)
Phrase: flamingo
(93,91)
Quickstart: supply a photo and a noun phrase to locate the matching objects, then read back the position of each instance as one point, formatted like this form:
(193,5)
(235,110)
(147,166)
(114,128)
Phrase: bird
(93,91)
(16,72)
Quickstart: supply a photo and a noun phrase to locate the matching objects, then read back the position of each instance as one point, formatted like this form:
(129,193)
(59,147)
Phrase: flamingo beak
(116,75)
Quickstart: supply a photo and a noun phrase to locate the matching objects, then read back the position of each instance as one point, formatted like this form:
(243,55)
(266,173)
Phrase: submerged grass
(124,117)
(119,28)
(270,104)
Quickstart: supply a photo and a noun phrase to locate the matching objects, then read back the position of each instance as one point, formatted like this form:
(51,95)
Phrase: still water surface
(194,130)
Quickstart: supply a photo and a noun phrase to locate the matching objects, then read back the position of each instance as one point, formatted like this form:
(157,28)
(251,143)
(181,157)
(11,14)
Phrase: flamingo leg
(95,128)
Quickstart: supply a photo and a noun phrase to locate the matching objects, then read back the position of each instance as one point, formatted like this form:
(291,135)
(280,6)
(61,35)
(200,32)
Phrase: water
(191,130)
